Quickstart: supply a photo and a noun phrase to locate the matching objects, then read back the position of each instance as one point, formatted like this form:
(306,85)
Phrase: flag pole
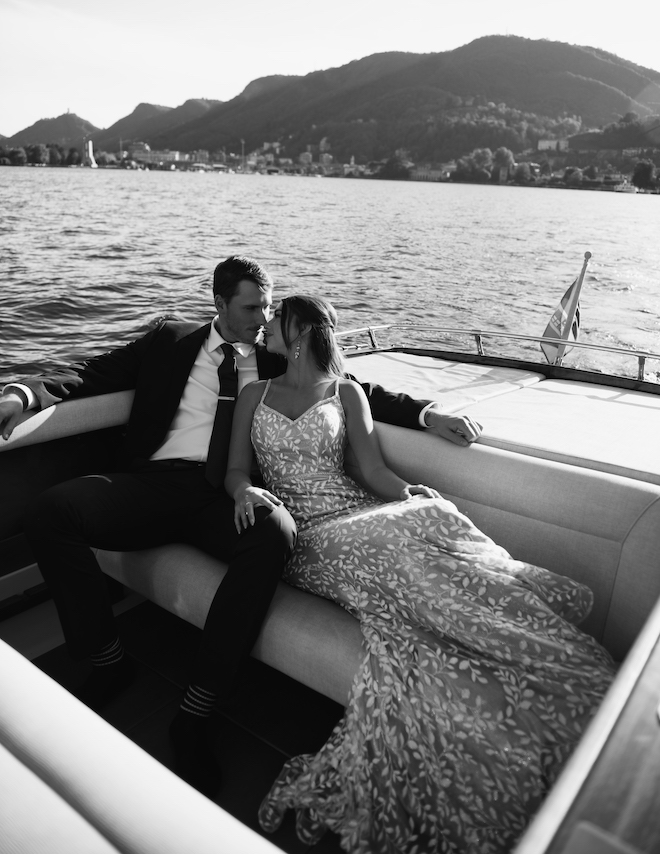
(572,308)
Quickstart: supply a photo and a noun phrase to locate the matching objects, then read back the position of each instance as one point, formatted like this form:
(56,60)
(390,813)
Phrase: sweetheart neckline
(263,403)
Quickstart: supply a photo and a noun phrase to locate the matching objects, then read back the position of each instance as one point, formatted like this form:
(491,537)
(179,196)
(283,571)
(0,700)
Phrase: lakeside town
(466,116)
(553,163)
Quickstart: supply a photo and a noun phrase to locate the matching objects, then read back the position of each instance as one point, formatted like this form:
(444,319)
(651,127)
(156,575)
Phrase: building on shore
(552,145)
(426,172)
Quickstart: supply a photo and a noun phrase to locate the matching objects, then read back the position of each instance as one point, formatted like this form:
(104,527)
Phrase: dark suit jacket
(157,367)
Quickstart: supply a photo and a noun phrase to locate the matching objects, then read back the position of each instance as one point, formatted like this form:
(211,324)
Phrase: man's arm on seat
(404,411)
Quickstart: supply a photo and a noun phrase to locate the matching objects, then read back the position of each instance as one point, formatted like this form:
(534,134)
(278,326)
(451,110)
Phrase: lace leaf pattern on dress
(475,686)
(302,460)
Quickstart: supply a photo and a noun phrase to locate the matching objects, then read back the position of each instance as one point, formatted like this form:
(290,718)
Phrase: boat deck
(587,424)
(271,719)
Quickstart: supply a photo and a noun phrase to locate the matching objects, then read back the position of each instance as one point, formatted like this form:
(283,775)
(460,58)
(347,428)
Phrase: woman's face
(273,332)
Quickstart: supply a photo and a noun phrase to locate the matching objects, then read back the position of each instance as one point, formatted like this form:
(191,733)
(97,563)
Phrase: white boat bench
(599,527)
(599,524)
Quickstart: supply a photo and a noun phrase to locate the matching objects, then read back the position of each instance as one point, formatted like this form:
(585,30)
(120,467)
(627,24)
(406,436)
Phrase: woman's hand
(246,499)
(418,489)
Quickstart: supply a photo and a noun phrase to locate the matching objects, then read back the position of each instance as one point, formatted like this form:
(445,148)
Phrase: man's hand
(459,429)
(11,409)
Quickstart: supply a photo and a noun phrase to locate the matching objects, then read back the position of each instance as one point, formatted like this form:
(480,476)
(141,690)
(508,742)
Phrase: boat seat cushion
(521,411)
(309,638)
(455,385)
(597,528)
(70,418)
(592,426)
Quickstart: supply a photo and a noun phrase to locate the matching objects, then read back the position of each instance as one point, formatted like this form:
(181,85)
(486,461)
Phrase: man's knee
(276,527)
(48,510)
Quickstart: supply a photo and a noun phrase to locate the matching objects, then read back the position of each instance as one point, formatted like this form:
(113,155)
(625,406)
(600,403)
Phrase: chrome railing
(480,334)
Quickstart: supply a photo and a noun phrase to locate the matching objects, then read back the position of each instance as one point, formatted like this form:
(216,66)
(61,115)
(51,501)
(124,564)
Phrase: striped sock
(112,672)
(111,653)
(198,701)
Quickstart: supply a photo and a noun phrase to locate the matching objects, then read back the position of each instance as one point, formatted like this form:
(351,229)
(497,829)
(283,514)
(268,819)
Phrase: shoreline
(630,188)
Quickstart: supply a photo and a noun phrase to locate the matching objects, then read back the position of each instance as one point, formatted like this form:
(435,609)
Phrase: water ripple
(91,258)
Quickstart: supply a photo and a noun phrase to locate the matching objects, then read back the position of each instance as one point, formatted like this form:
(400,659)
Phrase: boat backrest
(603,530)
(48,447)
(71,418)
(587,424)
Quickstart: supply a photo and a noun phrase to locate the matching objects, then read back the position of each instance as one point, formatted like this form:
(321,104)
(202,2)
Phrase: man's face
(242,318)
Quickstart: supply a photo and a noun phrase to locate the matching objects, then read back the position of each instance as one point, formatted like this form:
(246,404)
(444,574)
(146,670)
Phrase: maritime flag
(564,324)
(568,310)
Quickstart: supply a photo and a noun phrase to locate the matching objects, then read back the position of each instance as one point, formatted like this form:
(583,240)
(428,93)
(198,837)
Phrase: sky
(100,60)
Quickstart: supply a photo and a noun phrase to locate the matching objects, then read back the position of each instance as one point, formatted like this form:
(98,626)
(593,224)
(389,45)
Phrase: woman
(475,686)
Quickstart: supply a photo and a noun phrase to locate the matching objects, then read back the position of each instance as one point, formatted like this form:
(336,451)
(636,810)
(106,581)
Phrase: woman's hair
(321,317)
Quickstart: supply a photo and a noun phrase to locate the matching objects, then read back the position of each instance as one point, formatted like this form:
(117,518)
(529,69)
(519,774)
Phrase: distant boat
(625,187)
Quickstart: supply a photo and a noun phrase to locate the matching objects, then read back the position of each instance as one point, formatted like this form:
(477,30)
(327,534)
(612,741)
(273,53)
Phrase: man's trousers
(146,508)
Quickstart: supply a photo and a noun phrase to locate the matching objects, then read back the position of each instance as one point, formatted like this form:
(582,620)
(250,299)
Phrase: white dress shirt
(190,431)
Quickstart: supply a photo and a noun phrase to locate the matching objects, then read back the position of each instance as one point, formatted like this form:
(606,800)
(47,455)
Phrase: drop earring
(296,352)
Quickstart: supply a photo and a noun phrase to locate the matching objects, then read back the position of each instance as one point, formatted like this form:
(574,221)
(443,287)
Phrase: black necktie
(216,462)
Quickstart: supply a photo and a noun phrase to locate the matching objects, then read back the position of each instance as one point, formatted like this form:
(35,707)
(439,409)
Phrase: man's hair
(231,272)
(321,316)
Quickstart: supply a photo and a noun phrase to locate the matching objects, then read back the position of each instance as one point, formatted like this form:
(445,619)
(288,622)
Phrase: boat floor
(271,719)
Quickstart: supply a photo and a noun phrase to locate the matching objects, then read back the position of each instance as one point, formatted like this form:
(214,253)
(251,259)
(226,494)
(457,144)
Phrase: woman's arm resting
(364,443)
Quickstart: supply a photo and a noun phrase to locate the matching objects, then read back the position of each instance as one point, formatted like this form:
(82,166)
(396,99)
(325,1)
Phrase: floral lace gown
(475,685)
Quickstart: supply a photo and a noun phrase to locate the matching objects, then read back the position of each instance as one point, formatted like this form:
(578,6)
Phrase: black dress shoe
(193,755)
(105,684)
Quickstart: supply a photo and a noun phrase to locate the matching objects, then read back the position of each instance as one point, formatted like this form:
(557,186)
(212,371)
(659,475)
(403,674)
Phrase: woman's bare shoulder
(347,382)
(253,391)
(350,390)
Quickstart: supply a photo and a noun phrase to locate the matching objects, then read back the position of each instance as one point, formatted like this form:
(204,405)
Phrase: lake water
(89,257)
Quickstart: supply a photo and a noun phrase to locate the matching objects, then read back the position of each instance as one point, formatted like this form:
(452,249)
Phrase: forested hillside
(497,91)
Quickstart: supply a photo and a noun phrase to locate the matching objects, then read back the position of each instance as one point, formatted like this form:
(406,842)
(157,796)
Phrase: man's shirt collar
(215,339)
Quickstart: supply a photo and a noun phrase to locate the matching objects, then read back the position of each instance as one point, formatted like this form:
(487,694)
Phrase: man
(170,489)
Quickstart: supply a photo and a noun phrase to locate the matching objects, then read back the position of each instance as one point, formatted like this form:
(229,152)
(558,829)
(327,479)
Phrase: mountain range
(496,90)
